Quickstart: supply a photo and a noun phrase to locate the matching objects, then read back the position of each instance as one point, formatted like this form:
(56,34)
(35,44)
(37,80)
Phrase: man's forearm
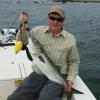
(73,72)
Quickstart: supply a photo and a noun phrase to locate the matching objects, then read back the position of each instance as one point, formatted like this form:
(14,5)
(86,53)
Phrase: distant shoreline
(85,1)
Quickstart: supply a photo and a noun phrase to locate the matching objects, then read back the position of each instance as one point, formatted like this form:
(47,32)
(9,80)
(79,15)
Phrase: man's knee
(12,97)
(51,91)
(19,97)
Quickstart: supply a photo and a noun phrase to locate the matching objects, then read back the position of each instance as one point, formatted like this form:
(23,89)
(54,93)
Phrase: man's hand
(23,19)
(68,86)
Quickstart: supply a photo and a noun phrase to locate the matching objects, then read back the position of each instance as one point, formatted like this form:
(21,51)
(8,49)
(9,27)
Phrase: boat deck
(17,66)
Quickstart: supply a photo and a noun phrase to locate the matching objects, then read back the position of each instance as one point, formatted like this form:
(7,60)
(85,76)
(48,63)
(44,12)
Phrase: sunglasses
(60,19)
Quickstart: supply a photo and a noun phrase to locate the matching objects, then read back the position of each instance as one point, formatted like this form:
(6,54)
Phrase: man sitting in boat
(60,47)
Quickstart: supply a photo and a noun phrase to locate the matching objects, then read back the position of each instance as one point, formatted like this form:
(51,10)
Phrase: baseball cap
(58,10)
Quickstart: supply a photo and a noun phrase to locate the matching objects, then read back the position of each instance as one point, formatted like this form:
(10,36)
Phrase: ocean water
(82,20)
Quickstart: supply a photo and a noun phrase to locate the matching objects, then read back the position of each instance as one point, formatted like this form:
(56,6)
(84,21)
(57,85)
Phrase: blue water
(82,20)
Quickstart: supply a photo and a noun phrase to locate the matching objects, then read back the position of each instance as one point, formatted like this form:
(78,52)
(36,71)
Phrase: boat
(7,35)
(15,67)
